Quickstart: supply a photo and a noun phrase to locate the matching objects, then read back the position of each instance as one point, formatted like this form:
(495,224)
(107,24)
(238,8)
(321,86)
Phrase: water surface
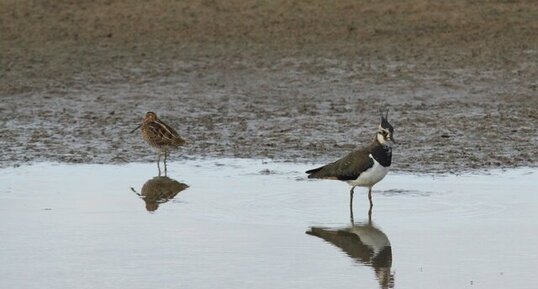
(232,223)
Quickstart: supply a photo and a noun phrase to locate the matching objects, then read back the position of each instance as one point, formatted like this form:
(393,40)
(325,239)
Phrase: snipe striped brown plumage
(160,136)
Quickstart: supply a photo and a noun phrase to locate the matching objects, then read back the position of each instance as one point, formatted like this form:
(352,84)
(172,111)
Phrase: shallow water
(243,224)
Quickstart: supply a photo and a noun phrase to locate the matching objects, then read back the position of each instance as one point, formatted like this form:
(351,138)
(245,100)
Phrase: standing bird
(363,167)
(160,136)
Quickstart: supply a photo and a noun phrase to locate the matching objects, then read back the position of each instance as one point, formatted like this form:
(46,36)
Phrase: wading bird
(160,136)
(363,167)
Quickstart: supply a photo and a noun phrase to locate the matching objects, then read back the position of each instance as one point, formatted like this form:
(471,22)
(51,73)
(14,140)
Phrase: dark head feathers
(385,121)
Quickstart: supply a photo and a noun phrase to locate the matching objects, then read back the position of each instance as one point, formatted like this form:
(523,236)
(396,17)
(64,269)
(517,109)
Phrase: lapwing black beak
(136,128)
(392,140)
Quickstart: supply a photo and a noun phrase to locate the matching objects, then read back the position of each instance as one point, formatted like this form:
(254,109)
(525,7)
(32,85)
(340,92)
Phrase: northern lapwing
(363,167)
(160,136)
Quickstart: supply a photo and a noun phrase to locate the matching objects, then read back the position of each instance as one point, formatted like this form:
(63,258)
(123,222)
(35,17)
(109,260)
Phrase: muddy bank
(272,80)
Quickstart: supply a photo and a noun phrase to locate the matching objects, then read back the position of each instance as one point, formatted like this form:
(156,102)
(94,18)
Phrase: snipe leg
(165,155)
(159,163)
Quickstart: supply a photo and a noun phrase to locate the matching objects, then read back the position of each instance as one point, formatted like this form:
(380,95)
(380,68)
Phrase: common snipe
(160,136)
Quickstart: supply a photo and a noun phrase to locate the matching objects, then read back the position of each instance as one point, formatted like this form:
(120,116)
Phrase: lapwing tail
(313,173)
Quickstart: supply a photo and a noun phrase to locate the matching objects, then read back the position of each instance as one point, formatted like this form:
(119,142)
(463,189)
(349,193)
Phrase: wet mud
(285,81)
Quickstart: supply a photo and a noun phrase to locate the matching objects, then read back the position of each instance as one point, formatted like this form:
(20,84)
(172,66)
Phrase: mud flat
(277,79)
(242,223)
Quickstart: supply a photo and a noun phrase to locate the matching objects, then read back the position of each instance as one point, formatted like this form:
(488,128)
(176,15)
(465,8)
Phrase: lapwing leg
(370,197)
(370,215)
(159,163)
(165,155)
(351,192)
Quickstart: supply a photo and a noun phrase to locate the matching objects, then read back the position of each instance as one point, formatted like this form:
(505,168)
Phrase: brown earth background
(287,80)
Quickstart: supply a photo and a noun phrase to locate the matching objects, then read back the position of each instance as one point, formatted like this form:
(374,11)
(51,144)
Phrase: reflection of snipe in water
(366,244)
(160,190)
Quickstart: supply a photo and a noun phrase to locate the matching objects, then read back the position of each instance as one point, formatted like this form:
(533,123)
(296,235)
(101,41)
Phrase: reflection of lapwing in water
(363,167)
(366,244)
(160,136)
(159,190)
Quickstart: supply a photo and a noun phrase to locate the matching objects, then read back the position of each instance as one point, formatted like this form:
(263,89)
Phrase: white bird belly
(371,176)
